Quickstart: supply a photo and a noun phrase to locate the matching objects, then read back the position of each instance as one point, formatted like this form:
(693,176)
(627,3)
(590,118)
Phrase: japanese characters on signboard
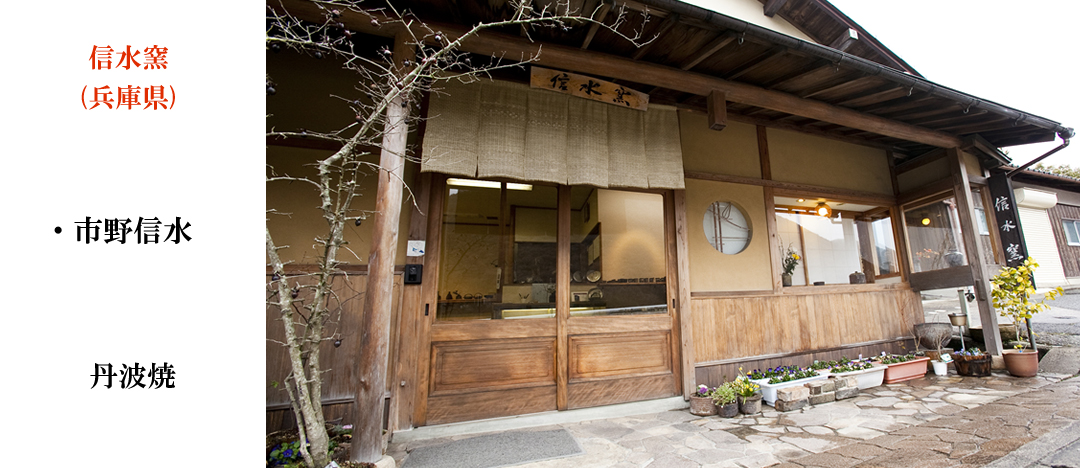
(1007,220)
(588,88)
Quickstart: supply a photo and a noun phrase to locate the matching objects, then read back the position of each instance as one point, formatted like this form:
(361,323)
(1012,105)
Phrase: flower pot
(867,378)
(1021,363)
(785,279)
(750,405)
(730,410)
(702,406)
(972,366)
(941,369)
(768,391)
(904,371)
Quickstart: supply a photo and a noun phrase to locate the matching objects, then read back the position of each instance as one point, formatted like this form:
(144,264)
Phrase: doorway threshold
(541,419)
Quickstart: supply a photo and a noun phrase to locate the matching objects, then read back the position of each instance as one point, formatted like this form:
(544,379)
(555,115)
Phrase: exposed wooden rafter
(720,42)
(664,27)
(585,61)
(757,61)
(601,15)
(845,40)
(773,6)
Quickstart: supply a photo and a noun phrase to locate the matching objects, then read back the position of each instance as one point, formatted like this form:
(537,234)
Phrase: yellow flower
(796,256)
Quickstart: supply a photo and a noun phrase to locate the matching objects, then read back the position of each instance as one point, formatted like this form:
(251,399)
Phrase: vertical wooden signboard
(1008,219)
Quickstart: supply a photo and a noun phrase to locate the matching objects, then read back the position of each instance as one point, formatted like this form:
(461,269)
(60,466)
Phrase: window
(834,248)
(934,236)
(727,227)
(1072,231)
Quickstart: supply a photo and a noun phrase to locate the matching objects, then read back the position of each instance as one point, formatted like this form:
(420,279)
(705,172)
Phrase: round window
(727,227)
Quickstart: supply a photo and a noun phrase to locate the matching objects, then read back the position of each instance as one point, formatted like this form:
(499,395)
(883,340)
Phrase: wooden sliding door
(545,298)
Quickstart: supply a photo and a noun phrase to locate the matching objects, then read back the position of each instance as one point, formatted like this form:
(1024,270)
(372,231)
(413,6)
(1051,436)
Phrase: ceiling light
(823,210)
(486,184)
(926,221)
(802,200)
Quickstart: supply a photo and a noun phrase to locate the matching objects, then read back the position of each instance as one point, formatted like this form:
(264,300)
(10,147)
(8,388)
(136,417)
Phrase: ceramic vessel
(941,369)
(729,410)
(750,405)
(1021,363)
(867,378)
(768,391)
(702,406)
(904,371)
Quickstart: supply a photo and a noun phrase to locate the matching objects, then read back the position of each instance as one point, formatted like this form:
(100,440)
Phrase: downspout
(860,64)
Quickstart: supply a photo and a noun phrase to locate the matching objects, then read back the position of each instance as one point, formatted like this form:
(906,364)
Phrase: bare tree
(384,78)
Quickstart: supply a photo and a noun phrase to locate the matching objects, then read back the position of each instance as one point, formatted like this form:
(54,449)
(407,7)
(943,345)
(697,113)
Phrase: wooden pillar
(683,306)
(866,248)
(562,300)
(378,297)
(966,210)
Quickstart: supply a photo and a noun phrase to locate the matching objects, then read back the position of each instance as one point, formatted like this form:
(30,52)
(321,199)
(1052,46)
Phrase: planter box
(979,367)
(768,391)
(868,378)
(904,371)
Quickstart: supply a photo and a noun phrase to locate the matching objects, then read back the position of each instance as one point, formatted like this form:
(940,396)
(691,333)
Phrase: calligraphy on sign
(1008,220)
(589,88)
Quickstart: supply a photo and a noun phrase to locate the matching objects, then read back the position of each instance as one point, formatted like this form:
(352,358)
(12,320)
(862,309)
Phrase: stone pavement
(928,422)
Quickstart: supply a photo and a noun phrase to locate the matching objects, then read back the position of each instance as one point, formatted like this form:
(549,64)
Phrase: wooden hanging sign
(589,88)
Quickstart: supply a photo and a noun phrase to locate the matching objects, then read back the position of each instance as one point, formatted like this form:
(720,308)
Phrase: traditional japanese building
(610,223)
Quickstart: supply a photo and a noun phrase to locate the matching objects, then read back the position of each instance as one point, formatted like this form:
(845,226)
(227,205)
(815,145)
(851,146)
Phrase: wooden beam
(845,40)
(841,86)
(763,153)
(920,161)
(798,75)
(664,27)
(583,61)
(717,110)
(885,93)
(562,299)
(851,196)
(601,15)
(378,295)
(774,123)
(773,6)
(709,50)
(755,62)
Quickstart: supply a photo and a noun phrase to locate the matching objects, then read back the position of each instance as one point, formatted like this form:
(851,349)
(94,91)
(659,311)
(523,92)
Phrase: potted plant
(726,400)
(749,398)
(789,376)
(1012,295)
(791,260)
(972,363)
(903,367)
(865,372)
(701,402)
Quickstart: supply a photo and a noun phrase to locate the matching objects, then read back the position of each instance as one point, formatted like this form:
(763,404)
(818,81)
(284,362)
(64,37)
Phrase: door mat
(496,450)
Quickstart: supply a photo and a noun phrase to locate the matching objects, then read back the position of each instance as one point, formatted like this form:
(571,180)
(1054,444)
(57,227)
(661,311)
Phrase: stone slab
(818,387)
(792,394)
(782,405)
(823,398)
(1061,361)
(847,392)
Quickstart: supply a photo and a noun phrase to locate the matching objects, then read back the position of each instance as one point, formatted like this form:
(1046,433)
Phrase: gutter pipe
(860,64)
(1040,158)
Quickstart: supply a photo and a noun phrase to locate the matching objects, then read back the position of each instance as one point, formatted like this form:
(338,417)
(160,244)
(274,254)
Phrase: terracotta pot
(750,405)
(702,406)
(977,366)
(1021,363)
(729,410)
(904,371)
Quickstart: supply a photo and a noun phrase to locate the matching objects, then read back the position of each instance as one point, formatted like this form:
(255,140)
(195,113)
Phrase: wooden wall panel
(479,365)
(602,392)
(731,327)
(1070,254)
(481,405)
(599,356)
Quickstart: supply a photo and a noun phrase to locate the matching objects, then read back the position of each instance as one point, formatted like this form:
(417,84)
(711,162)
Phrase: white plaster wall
(752,12)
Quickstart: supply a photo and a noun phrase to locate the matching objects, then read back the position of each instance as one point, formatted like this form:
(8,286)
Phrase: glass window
(835,240)
(934,236)
(727,227)
(1072,231)
(498,251)
(618,262)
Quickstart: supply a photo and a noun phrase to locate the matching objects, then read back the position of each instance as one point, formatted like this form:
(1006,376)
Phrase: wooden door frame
(677,286)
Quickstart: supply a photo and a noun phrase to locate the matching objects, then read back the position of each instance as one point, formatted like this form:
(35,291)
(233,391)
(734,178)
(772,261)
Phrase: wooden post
(866,248)
(966,210)
(562,300)
(685,308)
(378,297)
(717,110)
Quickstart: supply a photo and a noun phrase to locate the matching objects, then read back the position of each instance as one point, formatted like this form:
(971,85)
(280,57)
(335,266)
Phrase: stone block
(819,387)
(846,382)
(823,398)
(845,393)
(791,405)
(792,393)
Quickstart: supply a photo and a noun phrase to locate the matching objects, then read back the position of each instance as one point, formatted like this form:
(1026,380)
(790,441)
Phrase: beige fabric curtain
(507,130)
